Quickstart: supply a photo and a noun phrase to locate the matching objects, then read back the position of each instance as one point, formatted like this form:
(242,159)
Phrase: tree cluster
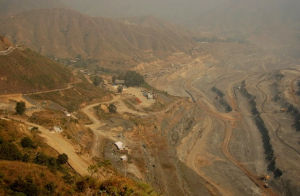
(20,107)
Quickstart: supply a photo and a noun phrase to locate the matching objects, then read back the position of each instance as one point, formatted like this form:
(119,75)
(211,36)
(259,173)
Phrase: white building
(123,158)
(120,145)
(57,129)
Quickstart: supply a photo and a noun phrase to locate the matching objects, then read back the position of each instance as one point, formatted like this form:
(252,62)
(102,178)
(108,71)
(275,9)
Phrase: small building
(67,113)
(123,158)
(149,96)
(57,129)
(120,145)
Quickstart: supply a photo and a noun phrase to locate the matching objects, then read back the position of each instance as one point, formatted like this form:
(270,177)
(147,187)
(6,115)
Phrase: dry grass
(40,175)
(73,98)
(26,71)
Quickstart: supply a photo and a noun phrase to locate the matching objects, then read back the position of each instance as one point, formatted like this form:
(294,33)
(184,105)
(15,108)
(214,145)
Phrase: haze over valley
(139,97)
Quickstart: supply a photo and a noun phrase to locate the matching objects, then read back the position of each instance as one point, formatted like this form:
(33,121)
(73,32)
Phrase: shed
(149,96)
(123,158)
(119,145)
(57,129)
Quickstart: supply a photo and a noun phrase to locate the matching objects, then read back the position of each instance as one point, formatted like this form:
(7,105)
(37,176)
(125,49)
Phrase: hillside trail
(7,51)
(61,145)
(69,86)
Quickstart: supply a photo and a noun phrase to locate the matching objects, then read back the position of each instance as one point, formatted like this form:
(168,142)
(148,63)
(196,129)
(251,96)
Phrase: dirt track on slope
(61,145)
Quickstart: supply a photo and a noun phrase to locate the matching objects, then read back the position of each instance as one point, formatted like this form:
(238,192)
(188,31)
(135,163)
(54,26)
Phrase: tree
(41,159)
(81,186)
(97,80)
(112,108)
(132,78)
(62,159)
(20,107)
(25,186)
(120,89)
(9,151)
(26,142)
(50,187)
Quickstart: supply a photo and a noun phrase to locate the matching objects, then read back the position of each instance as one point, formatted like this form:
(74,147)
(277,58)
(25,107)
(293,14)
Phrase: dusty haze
(270,24)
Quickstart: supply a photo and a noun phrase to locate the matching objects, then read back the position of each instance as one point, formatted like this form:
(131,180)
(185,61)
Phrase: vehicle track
(229,123)
(279,125)
(282,141)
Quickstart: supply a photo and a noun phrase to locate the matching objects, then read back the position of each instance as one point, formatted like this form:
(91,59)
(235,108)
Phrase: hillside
(4,43)
(24,71)
(65,33)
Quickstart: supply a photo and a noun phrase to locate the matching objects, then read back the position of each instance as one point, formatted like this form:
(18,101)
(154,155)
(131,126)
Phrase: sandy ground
(226,149)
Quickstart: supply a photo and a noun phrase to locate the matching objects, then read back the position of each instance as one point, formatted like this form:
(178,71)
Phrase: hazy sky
(188,10)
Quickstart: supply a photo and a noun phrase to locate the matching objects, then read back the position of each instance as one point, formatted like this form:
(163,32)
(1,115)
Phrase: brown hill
(24,71)
(4,43)
(65,33)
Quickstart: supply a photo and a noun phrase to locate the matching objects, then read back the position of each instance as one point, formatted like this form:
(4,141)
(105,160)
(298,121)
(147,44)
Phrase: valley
(195,140)
(138,106)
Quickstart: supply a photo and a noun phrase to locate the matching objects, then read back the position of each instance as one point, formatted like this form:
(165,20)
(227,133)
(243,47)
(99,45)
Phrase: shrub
(20,107)
(26,142)
(26,158)
(50,187)
(132,78)
(62,158)
(112,108)
(9,151)
(69,179)
(27,187)
(97,80)
(81,186)
(41,159)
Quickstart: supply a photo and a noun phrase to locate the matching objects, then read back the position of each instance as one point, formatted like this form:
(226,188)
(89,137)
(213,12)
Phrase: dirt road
(61,145)
(7,51)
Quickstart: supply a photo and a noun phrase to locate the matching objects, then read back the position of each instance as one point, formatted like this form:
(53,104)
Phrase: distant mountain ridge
(66,33)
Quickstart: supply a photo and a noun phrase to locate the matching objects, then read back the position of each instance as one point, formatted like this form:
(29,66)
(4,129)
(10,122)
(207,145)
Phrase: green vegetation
(20,107)
(112,108)
(291,109)
(9,151)
(131,78)
(62,159)
(30,167)
(26,142)
(97,80)
(221,99)
(298,91)
(268,149)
